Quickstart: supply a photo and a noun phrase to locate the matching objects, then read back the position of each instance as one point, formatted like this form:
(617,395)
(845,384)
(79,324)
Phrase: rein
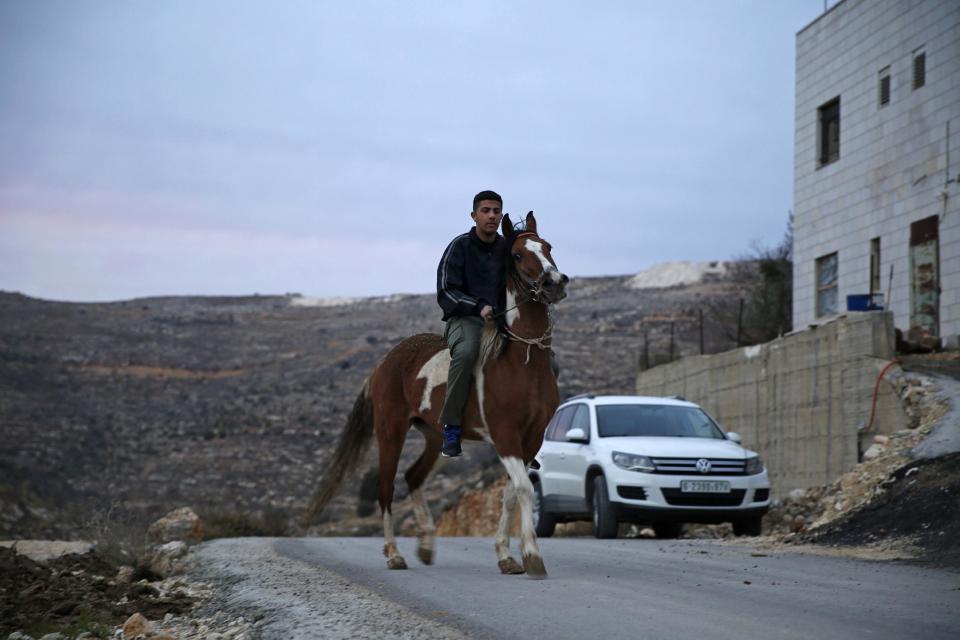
(540,343)
(533,297)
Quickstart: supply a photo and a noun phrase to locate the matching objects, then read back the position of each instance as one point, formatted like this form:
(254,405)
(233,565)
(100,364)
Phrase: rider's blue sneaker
(451,442)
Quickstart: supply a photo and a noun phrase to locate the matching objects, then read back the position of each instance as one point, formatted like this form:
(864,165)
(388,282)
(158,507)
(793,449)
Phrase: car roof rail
(589,396)
(677,397)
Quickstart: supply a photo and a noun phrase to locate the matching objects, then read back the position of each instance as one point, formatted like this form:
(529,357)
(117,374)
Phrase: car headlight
(754,466)
(633,462)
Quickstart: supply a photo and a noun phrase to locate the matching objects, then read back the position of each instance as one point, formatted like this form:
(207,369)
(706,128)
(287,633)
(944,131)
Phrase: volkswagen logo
(703,465)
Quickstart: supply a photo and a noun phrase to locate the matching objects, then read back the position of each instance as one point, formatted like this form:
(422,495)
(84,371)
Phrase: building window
(874,267)
(827,285)
(919,69)
(828,132)
(884,86)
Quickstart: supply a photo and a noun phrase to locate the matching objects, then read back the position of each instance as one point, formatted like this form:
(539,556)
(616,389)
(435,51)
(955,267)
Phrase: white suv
(656,461)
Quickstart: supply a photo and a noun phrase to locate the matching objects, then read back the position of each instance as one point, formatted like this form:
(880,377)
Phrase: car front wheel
(604,522)
(543,521)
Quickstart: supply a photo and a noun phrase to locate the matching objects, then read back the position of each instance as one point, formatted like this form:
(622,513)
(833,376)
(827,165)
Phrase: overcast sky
(333,148)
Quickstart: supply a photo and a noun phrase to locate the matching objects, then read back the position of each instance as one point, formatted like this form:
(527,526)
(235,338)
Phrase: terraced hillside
(232,405)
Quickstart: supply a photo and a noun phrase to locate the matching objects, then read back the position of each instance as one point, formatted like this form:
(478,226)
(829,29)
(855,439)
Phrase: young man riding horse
(468,284)
(508,404)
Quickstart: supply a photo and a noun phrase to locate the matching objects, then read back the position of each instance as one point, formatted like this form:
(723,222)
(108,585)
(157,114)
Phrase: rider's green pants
(463,338)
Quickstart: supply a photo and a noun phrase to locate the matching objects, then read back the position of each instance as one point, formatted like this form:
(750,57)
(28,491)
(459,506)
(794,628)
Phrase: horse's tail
(353,443)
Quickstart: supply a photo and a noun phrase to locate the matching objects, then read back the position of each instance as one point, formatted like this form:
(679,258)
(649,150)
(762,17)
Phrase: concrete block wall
(798,400)
(893,159)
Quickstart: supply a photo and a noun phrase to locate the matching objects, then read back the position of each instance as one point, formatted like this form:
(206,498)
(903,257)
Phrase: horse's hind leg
(504,560)
(390,446)
(415,476)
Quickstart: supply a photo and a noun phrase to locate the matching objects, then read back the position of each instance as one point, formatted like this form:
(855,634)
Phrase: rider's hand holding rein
(487,313)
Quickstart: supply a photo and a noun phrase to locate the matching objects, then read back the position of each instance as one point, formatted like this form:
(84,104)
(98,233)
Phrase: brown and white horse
(514,396)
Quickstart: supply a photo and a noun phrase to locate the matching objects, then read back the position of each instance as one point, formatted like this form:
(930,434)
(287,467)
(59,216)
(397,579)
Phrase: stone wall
(798,400)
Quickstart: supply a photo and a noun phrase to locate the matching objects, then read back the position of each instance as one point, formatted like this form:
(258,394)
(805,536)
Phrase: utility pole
(646,346)
(740,325)
(671,341)
(701,330)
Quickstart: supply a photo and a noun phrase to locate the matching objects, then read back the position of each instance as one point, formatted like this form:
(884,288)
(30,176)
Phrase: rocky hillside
(232,405)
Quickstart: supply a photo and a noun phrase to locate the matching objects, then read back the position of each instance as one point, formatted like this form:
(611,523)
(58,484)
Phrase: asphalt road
(642,588)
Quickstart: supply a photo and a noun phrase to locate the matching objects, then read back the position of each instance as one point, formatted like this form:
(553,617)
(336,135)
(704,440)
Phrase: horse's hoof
(425,554)
(396,562)
(509,566)
(533,565)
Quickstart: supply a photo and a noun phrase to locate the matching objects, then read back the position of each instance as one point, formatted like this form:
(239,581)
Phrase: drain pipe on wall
(887,302)
(947,180)
(876,390)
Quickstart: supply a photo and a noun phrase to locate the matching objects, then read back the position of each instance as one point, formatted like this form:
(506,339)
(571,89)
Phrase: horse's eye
(517,256)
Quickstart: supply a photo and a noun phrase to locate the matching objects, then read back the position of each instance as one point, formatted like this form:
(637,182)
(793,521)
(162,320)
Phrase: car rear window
(655,420)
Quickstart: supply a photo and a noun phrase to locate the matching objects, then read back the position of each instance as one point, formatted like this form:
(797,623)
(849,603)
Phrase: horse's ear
(506,226)
(531,222)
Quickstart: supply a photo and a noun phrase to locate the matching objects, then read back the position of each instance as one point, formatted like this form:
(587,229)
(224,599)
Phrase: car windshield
(615,420)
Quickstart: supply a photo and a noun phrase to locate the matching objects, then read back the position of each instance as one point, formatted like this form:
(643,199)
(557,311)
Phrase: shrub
(273,522)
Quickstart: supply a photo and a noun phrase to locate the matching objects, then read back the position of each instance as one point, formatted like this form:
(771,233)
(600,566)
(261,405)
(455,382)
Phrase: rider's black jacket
(470,275)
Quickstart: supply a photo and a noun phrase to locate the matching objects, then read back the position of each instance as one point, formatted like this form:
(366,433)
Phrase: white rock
(173,549)
(43,550)
(672,274)
(339,301)
(179,524)
(165,559)
(874,451)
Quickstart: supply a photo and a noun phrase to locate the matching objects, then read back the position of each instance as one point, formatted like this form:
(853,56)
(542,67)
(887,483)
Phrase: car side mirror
(733,435)
(577,435)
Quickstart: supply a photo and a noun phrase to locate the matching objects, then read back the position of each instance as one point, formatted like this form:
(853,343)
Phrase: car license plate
(704,486)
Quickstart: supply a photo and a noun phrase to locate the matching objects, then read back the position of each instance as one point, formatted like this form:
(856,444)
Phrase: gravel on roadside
(285,599)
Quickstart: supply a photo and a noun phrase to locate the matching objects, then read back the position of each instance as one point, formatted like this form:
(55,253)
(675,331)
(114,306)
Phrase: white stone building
(877,163)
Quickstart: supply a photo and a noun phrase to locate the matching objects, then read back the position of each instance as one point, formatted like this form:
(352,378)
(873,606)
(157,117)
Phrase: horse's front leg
(504,560)
(523,488)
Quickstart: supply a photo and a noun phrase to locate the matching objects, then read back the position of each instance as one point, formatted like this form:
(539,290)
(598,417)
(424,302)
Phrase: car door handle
(563,456)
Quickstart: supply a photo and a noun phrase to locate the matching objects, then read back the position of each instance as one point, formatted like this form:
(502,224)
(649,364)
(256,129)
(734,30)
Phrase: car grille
(677,498)
(688,467)
(761,495)
(632,493)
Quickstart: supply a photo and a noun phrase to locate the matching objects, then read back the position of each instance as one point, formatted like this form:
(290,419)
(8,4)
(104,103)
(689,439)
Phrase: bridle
(534,293)
(533,288)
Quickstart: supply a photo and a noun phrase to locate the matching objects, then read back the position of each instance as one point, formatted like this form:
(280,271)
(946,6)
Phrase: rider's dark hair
(486,195)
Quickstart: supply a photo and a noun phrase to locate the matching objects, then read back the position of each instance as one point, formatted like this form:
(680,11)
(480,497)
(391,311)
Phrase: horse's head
(531,262)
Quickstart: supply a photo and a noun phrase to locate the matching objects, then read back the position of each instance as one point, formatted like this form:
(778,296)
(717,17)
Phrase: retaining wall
(798,400)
